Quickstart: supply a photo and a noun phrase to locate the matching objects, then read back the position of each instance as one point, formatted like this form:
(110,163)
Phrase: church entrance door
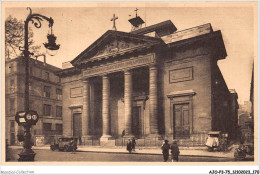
(77,125)
(181,122)
(137,122)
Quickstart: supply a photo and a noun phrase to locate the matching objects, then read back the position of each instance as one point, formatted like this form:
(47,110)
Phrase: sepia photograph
(130,83)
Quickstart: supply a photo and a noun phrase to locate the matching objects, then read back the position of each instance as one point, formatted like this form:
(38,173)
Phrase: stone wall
(190,73)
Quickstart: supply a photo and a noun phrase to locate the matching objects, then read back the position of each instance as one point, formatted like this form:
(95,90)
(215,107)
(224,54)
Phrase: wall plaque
(76,92)
(118,66)
(179,75)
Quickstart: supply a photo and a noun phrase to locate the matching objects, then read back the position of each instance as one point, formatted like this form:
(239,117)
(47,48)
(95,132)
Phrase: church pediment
(114,43)
(117,46)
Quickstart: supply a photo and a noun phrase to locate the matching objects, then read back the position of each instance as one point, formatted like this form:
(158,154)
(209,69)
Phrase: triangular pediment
(115,43)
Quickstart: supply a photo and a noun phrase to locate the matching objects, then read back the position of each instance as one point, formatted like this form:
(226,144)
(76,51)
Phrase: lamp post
(27,153)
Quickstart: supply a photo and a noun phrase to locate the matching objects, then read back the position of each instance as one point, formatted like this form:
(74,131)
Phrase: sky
(78,27)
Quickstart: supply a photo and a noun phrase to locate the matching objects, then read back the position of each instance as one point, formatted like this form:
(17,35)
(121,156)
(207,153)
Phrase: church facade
(152,83)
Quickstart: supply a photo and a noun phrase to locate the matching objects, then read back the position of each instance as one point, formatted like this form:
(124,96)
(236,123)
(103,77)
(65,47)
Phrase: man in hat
(165,150)
(175,151)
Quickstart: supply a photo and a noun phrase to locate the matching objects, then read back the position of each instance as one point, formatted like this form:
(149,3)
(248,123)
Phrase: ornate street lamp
(27,153)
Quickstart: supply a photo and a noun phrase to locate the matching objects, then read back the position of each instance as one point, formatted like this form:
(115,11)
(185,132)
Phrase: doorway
(181,123)
(77,125)
(137,123)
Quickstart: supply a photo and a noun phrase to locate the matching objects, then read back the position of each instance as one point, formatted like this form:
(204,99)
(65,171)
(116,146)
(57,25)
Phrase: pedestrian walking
(129,146)
(133,144)
(175,151)
(165,150)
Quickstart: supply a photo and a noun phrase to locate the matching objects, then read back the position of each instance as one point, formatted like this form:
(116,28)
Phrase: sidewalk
(184,151)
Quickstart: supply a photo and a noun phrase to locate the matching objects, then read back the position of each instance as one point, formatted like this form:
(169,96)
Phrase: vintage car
(213,140)
(64,144)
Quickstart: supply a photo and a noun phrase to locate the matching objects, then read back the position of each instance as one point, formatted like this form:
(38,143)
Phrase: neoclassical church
(151,83)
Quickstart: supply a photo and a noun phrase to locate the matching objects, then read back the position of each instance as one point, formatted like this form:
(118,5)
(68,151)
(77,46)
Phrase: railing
(90,142)
(142,142)
(193,141)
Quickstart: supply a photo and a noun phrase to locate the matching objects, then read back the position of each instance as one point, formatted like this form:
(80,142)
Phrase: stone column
(153,96)
(128,103)
(86,111)
(105,108)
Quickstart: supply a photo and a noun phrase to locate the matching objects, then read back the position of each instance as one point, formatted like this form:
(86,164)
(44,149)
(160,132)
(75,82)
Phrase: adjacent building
(234,129)
(45,92)
(152,83)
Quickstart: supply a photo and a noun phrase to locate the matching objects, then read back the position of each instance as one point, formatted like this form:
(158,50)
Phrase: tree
(14,38)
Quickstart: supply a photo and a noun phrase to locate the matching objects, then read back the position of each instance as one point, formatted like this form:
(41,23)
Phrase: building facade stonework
(45,92)
(152,83)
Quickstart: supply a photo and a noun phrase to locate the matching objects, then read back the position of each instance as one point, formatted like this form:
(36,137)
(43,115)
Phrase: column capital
(104,76)
(127,71)
(153,66)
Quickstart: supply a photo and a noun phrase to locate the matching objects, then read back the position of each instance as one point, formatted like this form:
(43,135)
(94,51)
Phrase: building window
(59,129)
(12,129)
(47,110)
(58,91)
(47,126)
(47,76)
(12,105)
(59,111)
(58,94)
(47,91)
(58,79)
(12,124)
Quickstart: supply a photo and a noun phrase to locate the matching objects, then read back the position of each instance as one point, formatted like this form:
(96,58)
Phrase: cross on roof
(114,21)
(136,11)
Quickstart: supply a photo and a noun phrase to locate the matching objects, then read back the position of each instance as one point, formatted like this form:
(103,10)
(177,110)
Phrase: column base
(106,138)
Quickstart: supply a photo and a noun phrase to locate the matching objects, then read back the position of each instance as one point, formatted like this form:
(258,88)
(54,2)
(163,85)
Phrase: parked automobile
(64,144)
(217,140)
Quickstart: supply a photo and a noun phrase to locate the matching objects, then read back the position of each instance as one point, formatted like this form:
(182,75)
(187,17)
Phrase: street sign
(26,118)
